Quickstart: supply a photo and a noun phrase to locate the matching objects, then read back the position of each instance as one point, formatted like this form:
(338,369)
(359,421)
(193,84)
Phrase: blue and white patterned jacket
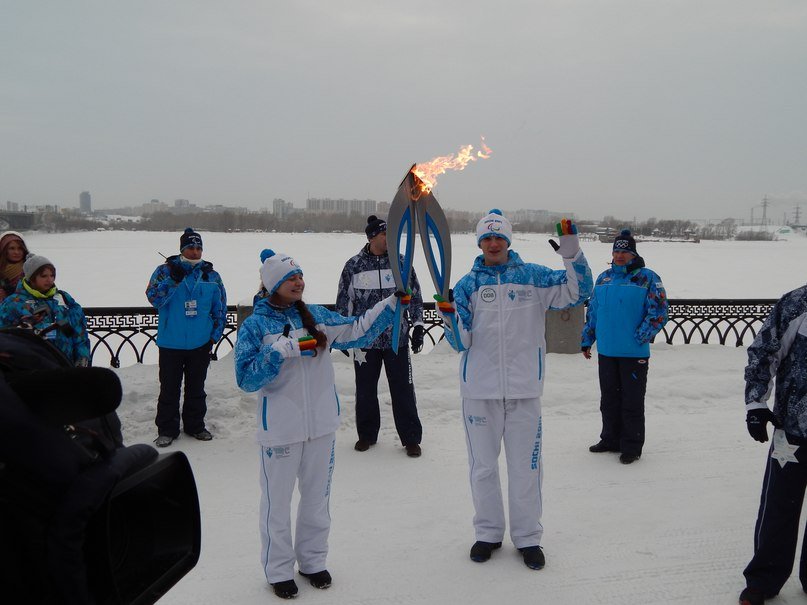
(367,279)
(59,307)
(778,356)
(501,315)
(297,397)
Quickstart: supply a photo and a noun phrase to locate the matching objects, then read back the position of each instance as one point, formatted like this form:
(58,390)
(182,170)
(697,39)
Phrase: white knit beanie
(276,268)
(494,224)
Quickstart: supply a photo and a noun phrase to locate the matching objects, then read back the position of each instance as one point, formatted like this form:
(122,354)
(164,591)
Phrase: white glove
(569,246)
(287,347)
(569,243)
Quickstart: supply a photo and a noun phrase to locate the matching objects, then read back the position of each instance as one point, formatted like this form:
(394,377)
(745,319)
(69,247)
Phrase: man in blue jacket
(628,308)
(192,305)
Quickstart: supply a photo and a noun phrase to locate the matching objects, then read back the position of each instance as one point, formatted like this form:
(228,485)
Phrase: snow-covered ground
(676,527)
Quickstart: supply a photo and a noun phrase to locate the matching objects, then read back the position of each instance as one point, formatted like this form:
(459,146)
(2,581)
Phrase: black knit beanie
(189,238)
(624,242)
(374,226)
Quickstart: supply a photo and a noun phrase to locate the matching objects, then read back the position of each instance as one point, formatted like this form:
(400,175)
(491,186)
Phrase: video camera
(83,518)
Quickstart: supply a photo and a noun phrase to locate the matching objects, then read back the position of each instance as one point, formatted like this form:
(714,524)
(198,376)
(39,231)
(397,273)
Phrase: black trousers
(777,528)
(404,405)
(623,382)
(176,364)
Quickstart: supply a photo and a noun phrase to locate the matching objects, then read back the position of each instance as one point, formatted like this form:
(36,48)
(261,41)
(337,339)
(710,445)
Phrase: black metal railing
(128,334)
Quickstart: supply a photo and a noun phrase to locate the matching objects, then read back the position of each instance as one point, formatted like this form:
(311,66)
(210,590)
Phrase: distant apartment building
(281,208)
(531,215)
(154,206)
(85,202)
(12,206)
(340,206)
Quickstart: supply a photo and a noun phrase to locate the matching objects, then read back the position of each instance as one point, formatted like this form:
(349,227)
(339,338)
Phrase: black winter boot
(481,551)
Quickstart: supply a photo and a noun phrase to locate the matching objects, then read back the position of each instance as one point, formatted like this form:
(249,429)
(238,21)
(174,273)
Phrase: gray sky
(665,108)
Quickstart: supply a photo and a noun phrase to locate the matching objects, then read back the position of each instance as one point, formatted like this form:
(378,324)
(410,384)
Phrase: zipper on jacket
(265,415)
(502,368)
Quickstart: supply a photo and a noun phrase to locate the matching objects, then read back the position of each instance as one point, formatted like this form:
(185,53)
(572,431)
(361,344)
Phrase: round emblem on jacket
(488,295)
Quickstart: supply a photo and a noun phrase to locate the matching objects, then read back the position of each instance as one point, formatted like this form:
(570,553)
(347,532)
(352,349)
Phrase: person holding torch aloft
(282,353)
(499,311)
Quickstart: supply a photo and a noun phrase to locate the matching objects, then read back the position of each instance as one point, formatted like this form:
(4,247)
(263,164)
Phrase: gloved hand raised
(417,338)
(757,420)
(175,270)
(569,244)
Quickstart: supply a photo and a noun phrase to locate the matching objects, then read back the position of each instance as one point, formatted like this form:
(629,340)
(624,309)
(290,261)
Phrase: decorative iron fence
(128,334)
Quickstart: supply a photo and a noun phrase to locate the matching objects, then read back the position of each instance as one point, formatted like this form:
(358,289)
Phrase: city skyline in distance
(631,109)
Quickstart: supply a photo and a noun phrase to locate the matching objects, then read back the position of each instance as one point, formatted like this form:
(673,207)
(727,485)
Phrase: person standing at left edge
(192,305)
(365,280)
(778,357)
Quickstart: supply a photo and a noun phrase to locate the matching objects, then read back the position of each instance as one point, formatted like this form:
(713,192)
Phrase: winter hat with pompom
(34,263)
(374,226)
(189,239)
(276,268)
(494,224)
(624,242)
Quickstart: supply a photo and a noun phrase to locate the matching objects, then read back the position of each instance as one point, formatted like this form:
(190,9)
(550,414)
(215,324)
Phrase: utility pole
(797,215)
(765,203)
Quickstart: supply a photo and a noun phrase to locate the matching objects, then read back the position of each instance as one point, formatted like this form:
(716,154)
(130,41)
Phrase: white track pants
(518,422)
(311,464)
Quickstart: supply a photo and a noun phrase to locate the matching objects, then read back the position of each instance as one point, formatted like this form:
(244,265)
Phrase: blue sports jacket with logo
(628,308)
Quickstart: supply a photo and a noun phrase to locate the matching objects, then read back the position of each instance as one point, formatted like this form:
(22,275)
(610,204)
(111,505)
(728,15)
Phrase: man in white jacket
(500,315)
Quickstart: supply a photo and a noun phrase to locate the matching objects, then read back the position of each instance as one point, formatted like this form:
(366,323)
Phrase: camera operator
(61,453)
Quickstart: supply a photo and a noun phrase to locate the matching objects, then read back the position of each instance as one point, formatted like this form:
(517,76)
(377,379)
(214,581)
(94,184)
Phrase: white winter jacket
(297,398)
(501,315)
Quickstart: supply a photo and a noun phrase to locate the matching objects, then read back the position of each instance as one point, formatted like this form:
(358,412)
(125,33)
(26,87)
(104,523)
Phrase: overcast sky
(672,109)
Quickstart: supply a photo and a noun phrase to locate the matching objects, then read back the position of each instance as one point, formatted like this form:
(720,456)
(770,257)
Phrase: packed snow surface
(674,528)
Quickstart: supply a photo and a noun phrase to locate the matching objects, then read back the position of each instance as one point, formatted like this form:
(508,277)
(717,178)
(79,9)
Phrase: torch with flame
(415,208)
(427,173)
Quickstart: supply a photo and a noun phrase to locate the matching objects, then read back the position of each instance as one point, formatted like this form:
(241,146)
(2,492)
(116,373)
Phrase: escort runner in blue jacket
(192,305)
(777,361)
(628,308)
(282,353)
(500,315)
(39,304)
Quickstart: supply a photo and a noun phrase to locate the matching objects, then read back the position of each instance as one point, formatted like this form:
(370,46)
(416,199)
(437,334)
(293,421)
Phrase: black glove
(206,269)
(756,420)
(417,338)
(176,271)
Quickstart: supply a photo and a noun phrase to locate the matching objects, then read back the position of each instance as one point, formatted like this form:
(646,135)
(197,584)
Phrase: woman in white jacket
(282,353)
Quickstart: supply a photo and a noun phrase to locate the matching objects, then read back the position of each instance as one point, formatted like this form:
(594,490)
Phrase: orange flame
(427,173)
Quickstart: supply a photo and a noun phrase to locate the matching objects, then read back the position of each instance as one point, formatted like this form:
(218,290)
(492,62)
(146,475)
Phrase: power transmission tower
(765,203)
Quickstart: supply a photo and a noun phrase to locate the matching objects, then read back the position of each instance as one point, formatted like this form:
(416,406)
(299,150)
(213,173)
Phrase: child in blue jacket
(39,304)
